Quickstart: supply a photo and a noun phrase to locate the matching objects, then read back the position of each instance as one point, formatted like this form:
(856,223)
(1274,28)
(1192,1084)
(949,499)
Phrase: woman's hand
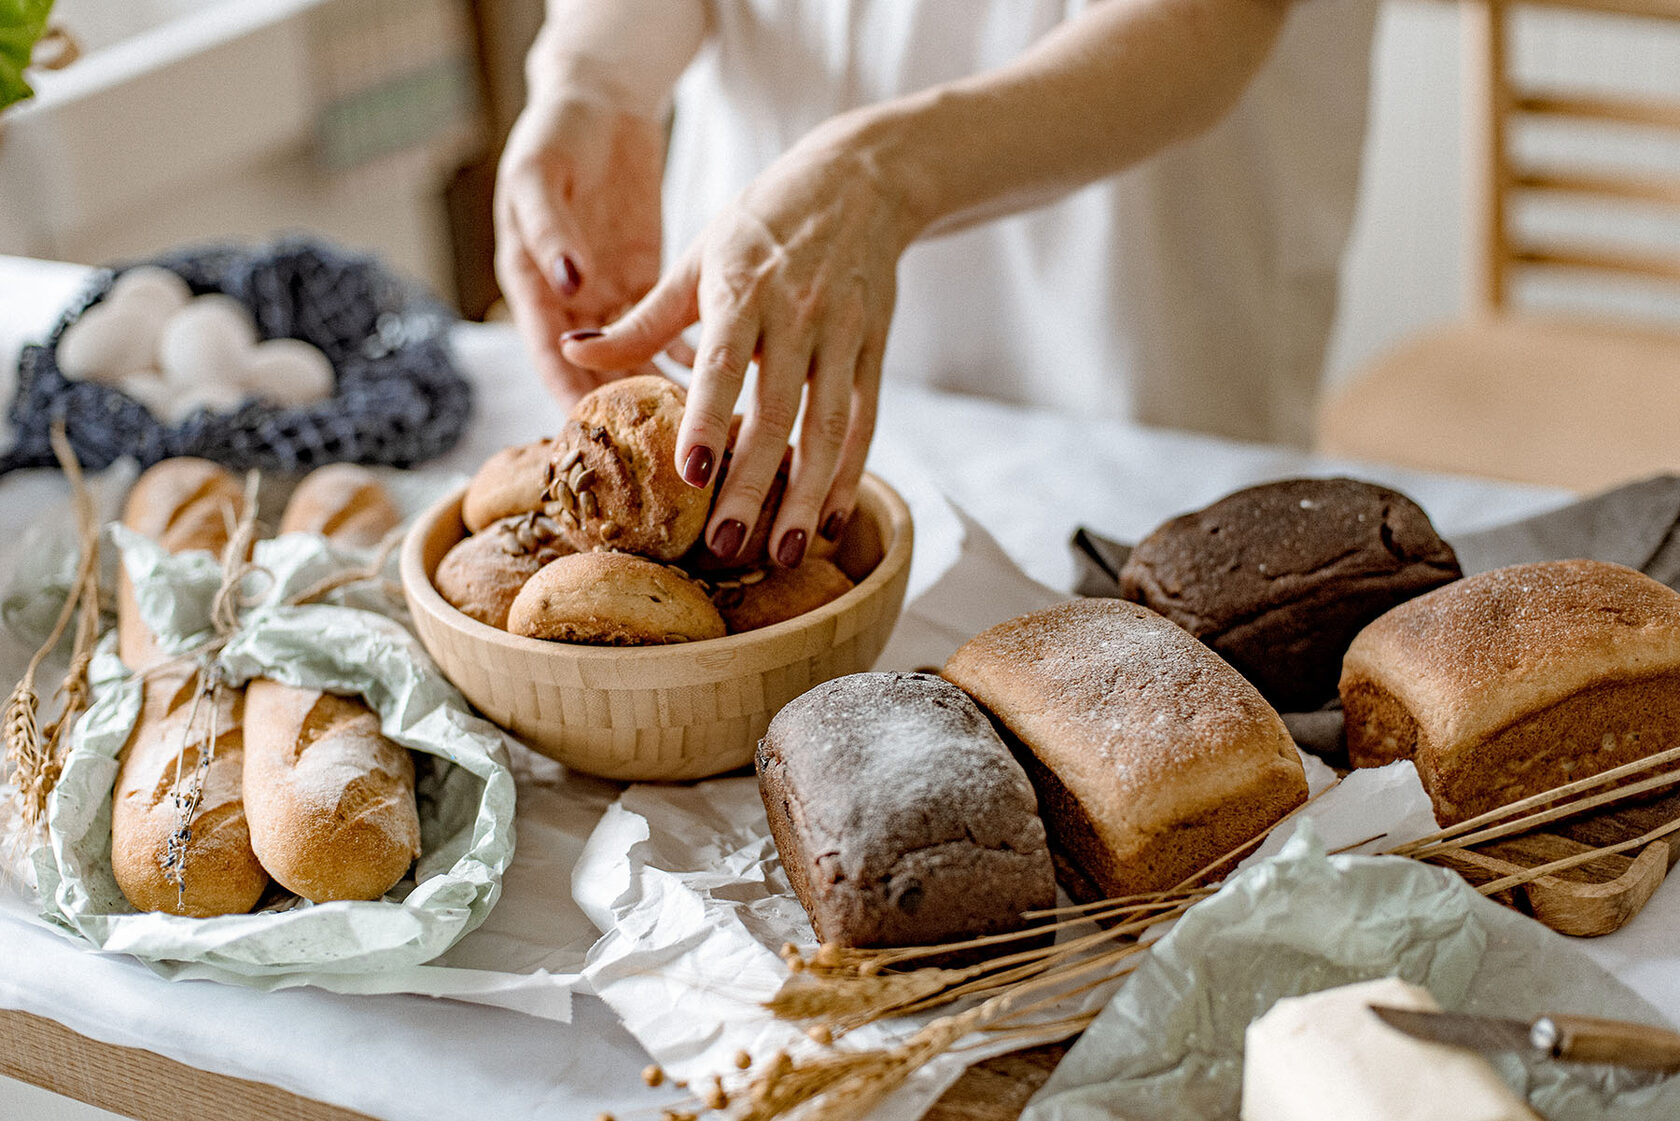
(577,224)
(799,273)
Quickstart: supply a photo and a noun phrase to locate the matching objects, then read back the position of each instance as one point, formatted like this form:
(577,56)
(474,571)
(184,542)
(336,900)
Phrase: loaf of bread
(482,574)
(613,599)
(182,504)
(1515,681)
(1152,757)
(900,817)
(767,596)
(614,481)
(160,764)
(342,501)
(329,799)
(1278,578)
(513,481)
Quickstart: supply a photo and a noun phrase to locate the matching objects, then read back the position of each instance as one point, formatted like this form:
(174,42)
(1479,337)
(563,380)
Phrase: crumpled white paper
(467,794)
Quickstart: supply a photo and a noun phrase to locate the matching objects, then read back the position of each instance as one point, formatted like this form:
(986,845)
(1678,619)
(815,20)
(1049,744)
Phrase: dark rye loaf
(1278,578)
(900,816)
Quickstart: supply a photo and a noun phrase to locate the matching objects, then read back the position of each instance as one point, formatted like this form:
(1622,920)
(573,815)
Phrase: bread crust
(614,481)
(343,501)
(778,594)
(508,483)
(613,599)
(1152,756)
(1513,681)
(900,817)
(1278,578)
(481,575)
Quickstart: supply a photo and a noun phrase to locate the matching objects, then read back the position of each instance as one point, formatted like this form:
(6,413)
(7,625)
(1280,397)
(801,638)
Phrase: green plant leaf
(21,23)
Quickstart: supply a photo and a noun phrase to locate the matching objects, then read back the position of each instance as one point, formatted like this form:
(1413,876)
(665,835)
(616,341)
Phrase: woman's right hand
(577,224)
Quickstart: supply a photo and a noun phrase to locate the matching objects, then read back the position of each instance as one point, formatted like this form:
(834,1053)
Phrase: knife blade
(1576,1039)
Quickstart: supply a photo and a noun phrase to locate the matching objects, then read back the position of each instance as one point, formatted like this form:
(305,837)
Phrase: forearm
(1124,80)
(626,52)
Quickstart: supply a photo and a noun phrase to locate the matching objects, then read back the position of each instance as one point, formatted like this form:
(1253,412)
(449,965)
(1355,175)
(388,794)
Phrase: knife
(1575,1039)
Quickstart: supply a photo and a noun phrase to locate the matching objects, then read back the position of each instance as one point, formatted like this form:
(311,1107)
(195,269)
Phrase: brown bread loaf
(342,501)
(613,599)
(329,799)
(760,598)
(183,504)
(1515,681)
(510,482)
(1278,578)
(1153,758)
(482,574)
(900,817)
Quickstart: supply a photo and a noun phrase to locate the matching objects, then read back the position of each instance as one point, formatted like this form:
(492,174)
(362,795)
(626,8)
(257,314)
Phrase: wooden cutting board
(1593,898)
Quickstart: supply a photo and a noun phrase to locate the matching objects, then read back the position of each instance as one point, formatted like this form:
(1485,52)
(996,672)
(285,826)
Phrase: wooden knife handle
(1587,1039)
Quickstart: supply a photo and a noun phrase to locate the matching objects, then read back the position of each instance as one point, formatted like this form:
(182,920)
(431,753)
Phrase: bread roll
(342,501)
(900,817)
(330,800)
(613,599)
(482,574)
(182,504)
(761,598)
(513,481)
(1152,757)
(219,873)
(1515,681)
(614,482)
(1278,578)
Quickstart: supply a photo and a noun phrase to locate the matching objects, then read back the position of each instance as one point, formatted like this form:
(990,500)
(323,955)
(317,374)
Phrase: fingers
(645,329)
(860,430)
(822,436)
(540,317)
(558,251)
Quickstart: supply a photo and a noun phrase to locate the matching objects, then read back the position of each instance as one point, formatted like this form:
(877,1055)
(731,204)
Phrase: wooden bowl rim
(423,594)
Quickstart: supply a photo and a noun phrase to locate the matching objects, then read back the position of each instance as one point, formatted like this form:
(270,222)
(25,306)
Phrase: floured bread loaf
(1515,681)
(1278,578)
(899,815)
(1153,758)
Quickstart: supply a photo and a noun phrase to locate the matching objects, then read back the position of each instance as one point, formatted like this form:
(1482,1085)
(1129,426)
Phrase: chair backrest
(1509,179)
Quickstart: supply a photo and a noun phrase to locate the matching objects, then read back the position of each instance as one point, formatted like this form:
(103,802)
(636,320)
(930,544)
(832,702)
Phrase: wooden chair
(1578,401)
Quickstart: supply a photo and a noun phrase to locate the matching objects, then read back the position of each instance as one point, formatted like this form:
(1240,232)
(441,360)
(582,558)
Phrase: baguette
(182,504)
(330,800)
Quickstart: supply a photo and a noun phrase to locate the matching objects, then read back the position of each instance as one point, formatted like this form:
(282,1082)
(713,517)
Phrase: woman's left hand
(798,273)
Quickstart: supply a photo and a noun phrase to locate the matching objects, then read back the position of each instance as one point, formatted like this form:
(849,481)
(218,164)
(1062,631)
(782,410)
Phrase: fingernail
(697,468)
(567,277)
(792,549)
(727,540)
(580,335)
(834,526)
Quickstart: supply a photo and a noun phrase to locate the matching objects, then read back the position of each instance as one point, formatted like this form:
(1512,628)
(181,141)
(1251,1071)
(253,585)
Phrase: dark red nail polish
(697,468)
(792,549)
(834,526)
(567,277)
(728,538)
(580,335)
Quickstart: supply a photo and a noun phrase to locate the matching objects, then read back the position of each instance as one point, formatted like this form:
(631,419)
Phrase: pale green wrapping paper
(349,645)
(1168,1047)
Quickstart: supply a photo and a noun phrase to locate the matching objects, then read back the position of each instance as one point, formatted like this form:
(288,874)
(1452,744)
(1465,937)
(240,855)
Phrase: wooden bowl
(662,712)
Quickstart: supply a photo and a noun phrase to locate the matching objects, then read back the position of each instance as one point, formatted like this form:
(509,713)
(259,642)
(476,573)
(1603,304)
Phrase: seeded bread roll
(763,597)
(512,481)
(1278,578)
(900,817)
(1515,681)
(482,574)
(183,504)
(342,501)
(1152,757)
(613,599)
(219,874)
(614,482)
(330,800)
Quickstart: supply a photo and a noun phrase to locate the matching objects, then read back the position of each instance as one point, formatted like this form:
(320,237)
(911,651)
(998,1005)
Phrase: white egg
(288,372)
(109,342)
(147,387)
(216,396)
(152,285)
(205,342)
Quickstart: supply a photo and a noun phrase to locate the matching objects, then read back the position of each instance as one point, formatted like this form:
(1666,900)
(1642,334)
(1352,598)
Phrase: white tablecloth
(1028,476)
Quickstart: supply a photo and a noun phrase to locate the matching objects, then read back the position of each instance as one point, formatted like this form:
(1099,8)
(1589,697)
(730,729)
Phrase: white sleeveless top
(1196,290)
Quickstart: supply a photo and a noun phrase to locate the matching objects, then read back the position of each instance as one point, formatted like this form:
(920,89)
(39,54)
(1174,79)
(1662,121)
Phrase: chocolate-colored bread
(1278,578)
(900,816)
